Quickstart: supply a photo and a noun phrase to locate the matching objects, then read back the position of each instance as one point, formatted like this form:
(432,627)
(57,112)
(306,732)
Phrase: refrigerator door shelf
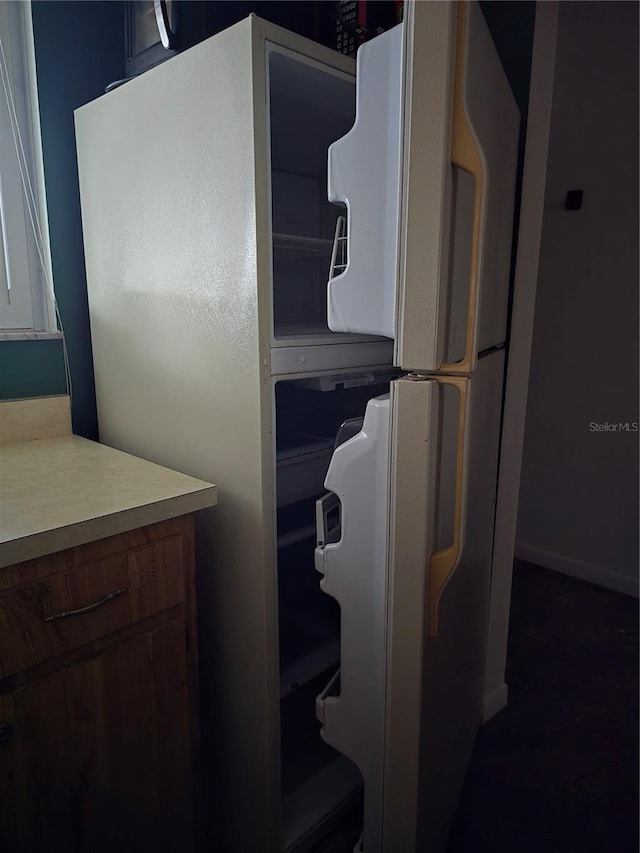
(355,574)
(364,174)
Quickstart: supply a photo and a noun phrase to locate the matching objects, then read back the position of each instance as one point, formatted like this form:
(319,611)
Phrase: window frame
(27,309)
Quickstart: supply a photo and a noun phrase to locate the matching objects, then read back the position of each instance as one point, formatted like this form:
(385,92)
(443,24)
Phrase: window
(26,300)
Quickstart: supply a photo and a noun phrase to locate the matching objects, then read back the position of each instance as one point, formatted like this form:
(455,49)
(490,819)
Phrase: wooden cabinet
(97,696)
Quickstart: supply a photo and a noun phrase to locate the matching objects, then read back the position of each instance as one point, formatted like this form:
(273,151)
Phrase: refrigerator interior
(309,412)
(310,106)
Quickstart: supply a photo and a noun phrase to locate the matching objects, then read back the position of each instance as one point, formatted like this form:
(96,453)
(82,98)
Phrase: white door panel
(434,685)
(410,567)
(458,111)
(364,174)
(454,662)
(385,479)
(423,264)
(354,572)
(414,448)
(426,184)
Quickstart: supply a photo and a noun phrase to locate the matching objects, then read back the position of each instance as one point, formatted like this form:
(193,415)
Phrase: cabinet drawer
(66,610)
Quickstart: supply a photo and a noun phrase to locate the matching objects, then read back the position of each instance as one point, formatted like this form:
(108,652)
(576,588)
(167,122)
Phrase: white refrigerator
(298,278)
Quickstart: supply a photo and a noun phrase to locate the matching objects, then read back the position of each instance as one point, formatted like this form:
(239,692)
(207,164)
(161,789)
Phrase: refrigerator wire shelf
(300,247)
(332,689)
(308,647)
(339,253)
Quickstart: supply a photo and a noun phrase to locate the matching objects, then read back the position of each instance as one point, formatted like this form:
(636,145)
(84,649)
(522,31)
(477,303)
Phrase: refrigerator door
(409,562)
(353,555)
(434,684)
(425,248)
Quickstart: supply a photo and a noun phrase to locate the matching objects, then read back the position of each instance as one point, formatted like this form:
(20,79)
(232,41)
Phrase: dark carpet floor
(557,770)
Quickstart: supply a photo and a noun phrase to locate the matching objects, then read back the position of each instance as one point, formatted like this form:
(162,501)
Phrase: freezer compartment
(310,106)
(365,167)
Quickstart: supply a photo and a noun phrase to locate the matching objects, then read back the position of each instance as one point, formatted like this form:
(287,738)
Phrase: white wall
(579,490)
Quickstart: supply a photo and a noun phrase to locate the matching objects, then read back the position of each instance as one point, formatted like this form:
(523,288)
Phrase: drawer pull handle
(89,607)
(6,730)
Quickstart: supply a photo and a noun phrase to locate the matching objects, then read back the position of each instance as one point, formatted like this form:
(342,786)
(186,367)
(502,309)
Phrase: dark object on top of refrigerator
(357,21)
(155,30)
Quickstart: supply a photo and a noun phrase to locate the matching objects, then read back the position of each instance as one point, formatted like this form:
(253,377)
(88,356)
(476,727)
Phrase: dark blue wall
(79,49)
(511,23)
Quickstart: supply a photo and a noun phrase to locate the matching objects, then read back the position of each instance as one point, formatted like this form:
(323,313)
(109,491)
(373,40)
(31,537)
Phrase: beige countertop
(56,493)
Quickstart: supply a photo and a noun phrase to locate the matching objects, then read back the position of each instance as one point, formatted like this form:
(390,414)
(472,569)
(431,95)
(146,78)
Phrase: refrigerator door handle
(467,155)
(444,562)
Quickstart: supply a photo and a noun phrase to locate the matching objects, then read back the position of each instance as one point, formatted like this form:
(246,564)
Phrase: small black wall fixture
(573,200)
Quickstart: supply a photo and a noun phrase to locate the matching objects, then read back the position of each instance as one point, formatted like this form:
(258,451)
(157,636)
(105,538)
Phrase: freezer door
(427,177)
(460,144)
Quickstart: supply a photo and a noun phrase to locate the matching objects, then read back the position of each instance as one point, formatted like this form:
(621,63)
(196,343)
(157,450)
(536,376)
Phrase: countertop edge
(35,545)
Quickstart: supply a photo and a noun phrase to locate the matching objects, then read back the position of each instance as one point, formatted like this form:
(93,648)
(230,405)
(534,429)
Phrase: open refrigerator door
(411,261)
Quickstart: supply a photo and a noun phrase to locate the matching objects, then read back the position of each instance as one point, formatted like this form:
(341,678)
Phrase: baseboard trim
(577,569)
(494,702)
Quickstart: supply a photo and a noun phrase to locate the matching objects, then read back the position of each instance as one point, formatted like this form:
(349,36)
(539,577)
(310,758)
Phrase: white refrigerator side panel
(364,174)
(167,180)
